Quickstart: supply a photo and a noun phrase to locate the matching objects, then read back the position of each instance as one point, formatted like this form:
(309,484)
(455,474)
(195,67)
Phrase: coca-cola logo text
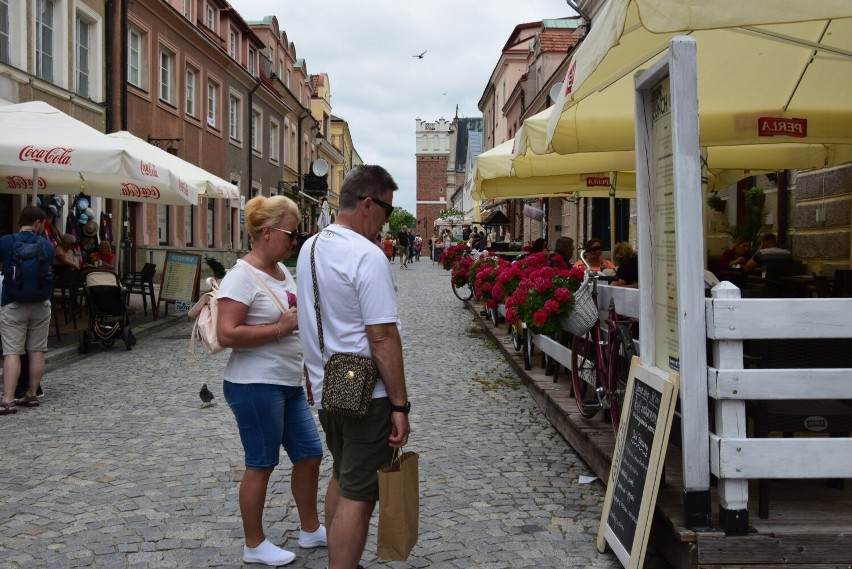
(22,183)
(136,191)
(148,169)
(56,155)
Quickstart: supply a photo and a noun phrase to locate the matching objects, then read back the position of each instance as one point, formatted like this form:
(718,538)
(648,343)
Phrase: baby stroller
(108,319)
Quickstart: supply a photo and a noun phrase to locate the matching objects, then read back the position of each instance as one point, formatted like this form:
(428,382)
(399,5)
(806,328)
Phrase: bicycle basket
(584,314)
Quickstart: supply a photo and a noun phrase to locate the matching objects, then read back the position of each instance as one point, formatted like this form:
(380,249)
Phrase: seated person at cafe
(736,256)
(627,263)
(594,257)
(768,254)
(64,255)
(563,249)
(103,257)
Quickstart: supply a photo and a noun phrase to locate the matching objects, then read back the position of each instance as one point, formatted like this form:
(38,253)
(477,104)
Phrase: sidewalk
(66,346)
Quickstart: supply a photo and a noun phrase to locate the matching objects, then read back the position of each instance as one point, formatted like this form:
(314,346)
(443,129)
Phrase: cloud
(366,48)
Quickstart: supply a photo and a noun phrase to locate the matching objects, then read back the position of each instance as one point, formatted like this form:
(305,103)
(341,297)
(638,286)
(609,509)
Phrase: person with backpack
(27,259)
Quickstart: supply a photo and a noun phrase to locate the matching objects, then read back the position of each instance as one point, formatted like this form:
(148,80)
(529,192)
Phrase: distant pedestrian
(388,247)
(27,258)
(358,307)
(403,244)
(418,247)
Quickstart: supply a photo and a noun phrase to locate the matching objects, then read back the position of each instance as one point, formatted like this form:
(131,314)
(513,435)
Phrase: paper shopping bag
(399,507)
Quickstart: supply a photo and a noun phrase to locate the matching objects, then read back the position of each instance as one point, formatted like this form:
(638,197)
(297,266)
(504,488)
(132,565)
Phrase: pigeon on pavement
(206,395)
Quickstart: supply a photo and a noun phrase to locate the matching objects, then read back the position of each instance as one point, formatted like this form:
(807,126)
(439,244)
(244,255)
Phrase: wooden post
(730,424)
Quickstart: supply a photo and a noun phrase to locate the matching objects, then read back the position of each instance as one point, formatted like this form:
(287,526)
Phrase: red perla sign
(137,191)
(184,188)
(569,79)
(774,126)
(148,169)
(21,183)
(598,182)
(55,155)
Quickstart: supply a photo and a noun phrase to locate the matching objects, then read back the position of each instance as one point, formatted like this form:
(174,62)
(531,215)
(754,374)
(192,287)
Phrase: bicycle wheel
(584,373)
(517,338)
(622,353)
(528,348)
(463,292)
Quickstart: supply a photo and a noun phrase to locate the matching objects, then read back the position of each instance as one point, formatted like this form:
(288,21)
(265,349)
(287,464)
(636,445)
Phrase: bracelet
(277,327)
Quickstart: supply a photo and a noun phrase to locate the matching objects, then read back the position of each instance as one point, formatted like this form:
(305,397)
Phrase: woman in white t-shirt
(264,378)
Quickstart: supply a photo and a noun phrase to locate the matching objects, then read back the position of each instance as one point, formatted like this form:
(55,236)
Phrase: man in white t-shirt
(358,308)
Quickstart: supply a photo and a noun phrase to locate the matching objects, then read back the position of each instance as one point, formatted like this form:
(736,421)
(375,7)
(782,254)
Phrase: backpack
(29,276)
(206,312)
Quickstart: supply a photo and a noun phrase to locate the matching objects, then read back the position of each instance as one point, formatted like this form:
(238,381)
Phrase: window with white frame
(191,90)
(210,17)
(273,141)
(187,9)
(286,143)
(82,62)
(212,104)
(44,39)
(232,45)
(136,71)
(5,38)
(167,76)
(251,62)
(234,104)
(256,131)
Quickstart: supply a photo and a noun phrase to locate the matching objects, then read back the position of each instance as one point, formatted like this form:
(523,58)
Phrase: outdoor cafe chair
(142,282)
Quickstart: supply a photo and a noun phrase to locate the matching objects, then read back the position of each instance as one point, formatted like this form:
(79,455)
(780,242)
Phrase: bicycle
(466,291)
(600,364)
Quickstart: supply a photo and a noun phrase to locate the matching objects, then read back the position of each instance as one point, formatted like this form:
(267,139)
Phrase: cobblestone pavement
(122,467)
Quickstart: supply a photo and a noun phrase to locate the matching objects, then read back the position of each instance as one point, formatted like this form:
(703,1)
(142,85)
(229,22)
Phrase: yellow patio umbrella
(594,174)
(775,74)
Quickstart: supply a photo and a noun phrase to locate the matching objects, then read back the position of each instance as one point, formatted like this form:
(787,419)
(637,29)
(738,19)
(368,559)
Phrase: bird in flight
(206,395)
(420,56)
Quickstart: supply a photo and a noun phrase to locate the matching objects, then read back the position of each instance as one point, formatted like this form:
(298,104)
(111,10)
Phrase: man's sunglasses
(291,234)
(384,205)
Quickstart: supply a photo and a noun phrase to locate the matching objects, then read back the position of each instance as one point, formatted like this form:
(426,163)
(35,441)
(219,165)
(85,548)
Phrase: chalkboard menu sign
(637,463)
(180,276)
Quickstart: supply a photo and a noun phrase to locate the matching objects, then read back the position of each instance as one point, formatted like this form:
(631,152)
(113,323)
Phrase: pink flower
(512,315)
(540,317)
(551,306)
(562,294)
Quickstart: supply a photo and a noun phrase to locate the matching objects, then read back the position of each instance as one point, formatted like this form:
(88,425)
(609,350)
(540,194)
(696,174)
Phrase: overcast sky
(366,47)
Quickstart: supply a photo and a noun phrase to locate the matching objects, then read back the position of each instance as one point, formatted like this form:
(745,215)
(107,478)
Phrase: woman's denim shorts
(271,416)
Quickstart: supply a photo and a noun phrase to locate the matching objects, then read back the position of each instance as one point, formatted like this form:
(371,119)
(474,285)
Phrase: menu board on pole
(637,463)
(181,273)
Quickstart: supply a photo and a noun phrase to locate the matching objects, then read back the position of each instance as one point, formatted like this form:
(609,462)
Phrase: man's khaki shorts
(25,327)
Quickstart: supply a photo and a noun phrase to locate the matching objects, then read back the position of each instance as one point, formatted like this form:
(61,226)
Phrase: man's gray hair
(563,244)
(366,181)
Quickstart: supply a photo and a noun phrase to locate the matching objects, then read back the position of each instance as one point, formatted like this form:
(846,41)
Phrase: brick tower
(435,183)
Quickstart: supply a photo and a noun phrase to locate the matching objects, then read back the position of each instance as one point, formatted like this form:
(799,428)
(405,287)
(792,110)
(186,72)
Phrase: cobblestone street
(121,466)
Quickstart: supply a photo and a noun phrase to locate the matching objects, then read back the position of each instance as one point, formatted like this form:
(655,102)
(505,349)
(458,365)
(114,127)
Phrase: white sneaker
(268,554)
(309,540)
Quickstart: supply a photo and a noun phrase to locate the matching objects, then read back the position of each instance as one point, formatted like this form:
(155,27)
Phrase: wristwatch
(404,409)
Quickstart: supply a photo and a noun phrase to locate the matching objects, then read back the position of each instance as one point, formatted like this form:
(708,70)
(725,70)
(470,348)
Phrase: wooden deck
(809,524)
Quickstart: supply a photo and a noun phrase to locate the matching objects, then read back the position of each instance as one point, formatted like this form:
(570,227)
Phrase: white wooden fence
(734,457)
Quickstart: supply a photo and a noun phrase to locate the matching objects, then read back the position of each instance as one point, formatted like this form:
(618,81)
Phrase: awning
(771,73)
(496,218)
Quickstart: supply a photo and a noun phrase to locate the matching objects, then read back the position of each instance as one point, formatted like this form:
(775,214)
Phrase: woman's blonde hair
(263,212)
(621,252)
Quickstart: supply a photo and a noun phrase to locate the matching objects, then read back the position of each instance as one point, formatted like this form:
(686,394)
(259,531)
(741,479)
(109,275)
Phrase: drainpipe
(250,130)
(573,5)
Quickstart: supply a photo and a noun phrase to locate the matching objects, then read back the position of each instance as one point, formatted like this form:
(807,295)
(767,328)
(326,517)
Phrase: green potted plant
(216,267)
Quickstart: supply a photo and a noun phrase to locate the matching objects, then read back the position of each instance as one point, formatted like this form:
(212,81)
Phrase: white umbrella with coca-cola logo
(67,156)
